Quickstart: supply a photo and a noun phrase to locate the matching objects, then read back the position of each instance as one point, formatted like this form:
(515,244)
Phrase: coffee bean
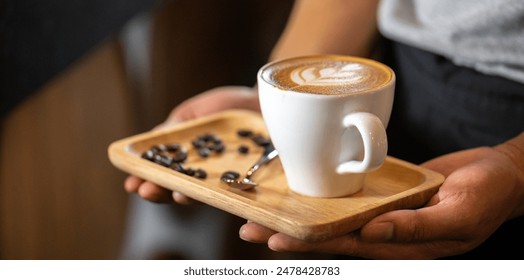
(243,149)
(190,171)
(173,148)
(219,148)
(207,143)
(200,173)
(230,175)
(198,143)
(260,140)
(204,152)
(173,155)
(161,147)
(208,137)
(167,161)
(244,133)
(180,156)
(177,167)
(163,160)
(149,155)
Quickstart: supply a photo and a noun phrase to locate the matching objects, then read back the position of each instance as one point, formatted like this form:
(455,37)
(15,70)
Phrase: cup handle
(375,142)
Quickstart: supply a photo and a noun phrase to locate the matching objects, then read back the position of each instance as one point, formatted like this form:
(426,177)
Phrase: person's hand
(483,188)
(208,102)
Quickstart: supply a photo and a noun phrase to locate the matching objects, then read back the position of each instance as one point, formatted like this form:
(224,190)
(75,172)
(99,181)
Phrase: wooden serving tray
(396,185)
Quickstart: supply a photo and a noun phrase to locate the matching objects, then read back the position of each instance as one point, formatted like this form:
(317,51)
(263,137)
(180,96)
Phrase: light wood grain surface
(396,185)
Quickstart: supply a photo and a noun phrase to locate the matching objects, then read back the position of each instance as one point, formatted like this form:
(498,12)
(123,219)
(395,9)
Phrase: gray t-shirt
(487,35)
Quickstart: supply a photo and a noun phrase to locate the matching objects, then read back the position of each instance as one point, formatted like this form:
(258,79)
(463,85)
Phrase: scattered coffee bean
(190,171)
(156,149)
(207,143)
(198,143)
(177,166)
(257,138)
(163,159)
(219,148)
(173,155)
(230,175)
(244,133)
(167,161)
(208,137)
(243,149)
(180,155)
(149,155)
(200,173)
(204,152)
(173,148)
(260,140)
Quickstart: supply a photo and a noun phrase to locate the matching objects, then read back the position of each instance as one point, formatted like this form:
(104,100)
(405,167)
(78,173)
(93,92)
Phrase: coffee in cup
(326,116)
(330,75)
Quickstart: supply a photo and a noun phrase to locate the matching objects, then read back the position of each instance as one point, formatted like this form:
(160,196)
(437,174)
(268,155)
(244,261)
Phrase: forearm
(329,26)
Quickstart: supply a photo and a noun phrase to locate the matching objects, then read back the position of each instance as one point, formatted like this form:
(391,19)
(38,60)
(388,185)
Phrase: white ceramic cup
(326,115)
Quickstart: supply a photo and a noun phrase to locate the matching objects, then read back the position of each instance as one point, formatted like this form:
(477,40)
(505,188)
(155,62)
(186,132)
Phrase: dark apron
(440,108)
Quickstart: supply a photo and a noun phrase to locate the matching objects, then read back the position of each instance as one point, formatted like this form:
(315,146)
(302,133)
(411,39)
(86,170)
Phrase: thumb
(418,225)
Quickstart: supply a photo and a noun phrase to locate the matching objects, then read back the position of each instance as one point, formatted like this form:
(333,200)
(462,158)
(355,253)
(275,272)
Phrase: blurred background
(76,75)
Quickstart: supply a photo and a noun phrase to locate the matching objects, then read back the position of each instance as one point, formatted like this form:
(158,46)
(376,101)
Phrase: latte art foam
(350,73)
(327,74)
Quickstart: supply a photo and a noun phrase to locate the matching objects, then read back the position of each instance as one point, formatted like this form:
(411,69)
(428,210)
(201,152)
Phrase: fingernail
(389,231)
(241,233)
(379,232)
